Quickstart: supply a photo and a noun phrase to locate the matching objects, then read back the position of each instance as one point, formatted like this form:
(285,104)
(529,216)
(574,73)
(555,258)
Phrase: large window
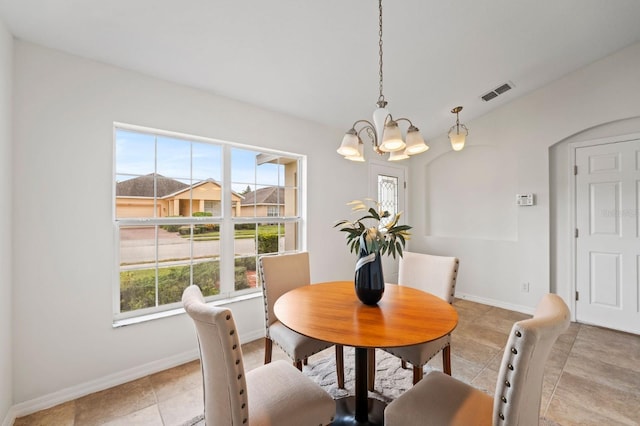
(184,218)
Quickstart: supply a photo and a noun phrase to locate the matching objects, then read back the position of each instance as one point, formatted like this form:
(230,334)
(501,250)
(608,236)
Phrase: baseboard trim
(496,303)
(102,383)
(106,382)
(10,418)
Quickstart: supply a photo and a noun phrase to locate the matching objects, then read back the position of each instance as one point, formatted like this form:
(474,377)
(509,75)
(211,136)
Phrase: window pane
(245,273)
(206,258)
(289,237)
(388,195)
(243,168)
(289,202)
(174,158)
(206,161)
(137,267)
(172,280)
(269,173)
(206,275)
(174,243)
(268,238)
(245,239)
(137,245)
(135,153)
(137,288)
(262,201)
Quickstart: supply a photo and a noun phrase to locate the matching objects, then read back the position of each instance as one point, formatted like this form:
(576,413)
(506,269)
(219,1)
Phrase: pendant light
(458,132)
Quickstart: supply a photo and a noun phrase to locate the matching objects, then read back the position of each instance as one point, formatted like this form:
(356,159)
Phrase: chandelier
(384,132)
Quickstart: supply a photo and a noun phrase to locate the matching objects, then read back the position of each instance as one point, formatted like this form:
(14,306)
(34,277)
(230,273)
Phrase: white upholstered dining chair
(436,275)
(442,400)
(279,274)
(274,394)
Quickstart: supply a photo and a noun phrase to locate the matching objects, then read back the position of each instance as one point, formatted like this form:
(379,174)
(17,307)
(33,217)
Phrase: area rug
(391,379)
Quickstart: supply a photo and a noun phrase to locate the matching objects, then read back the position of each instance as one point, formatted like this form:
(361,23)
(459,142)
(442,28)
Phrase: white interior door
(607,245)
(387,186)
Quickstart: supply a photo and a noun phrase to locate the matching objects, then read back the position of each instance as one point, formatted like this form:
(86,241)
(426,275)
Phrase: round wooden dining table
(332,312)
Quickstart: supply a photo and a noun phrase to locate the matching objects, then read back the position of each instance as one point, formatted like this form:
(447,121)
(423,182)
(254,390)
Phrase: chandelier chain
(381,96)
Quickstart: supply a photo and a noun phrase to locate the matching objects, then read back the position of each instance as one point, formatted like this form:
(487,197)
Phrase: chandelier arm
(370,128)
(404,119)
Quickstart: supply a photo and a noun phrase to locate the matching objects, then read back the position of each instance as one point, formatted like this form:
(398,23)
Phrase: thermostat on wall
(524,199)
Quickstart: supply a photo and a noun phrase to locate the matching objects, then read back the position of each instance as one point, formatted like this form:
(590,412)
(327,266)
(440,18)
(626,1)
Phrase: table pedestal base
(345,412)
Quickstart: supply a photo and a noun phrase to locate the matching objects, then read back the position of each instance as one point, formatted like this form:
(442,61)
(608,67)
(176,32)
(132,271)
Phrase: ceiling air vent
(497,91)
(489,96)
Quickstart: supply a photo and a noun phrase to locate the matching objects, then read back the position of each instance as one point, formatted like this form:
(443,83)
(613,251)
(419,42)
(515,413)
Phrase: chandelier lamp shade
(458,132)
(384,131)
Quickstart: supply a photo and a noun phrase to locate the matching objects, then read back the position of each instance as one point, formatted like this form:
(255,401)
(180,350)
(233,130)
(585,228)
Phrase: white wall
(64,257)
(463,203)
(6,280)
(460,203)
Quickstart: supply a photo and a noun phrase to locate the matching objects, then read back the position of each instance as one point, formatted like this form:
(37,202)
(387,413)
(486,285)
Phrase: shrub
(138,288)
(250,226)
(241,281)
(248,262)
(171,228)
(267,243)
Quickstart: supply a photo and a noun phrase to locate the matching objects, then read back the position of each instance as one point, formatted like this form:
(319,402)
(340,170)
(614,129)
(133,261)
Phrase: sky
(182,159)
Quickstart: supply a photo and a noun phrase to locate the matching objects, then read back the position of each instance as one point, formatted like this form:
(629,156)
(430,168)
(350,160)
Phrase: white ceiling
(319,59)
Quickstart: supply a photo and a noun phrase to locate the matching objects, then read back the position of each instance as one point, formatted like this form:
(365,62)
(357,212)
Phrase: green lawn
(239,233)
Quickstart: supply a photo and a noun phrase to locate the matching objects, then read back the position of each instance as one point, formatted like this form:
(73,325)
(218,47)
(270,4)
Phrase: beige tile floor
(592,378)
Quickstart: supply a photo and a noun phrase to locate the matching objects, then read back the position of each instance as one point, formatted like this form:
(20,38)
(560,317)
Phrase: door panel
(604,197)
(608,247)
(605,279)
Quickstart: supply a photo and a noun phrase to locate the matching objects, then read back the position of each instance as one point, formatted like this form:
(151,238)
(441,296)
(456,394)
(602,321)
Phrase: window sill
(173,312)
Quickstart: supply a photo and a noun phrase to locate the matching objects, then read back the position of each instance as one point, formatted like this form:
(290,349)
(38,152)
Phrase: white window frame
(226,222)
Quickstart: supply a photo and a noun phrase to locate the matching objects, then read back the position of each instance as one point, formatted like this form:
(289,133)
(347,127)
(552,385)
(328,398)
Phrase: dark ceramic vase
(369,281)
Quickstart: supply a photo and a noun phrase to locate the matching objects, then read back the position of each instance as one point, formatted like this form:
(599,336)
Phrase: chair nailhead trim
(239,376)
(510,367)
(518,333)
(235,346)
(504,399)
(228,317)
(501,416)
(244,421)
(237,361)
(514,351)
(244,405)
(241,391)
(507,384)
(232,332)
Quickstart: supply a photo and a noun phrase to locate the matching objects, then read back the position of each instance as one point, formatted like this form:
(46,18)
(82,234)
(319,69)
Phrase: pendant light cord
(381,96)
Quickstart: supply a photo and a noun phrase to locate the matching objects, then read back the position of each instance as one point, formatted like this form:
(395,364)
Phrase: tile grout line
(564,365)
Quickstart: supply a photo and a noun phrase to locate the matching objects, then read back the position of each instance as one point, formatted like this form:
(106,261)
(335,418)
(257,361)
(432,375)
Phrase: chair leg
(404,364)
(446,360)
(268,350)
(306,361)
(371,373)
(298,365)
(417,374)
(340,365)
